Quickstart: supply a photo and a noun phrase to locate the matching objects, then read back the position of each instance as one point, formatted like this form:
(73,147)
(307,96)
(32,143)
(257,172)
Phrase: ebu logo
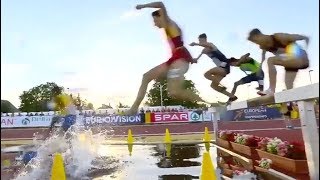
(25,121)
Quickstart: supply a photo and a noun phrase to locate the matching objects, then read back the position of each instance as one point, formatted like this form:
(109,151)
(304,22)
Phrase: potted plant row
(285,156)
(224,138)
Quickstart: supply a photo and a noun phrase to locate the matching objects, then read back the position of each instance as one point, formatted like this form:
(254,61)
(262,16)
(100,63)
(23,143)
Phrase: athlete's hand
(193,44)
(307,41)
(194,61)
(139,6)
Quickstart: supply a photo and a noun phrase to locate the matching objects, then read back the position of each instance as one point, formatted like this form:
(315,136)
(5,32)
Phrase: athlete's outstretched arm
(195,60)
(244,59)
(292,37)
(205,45)
(159,5)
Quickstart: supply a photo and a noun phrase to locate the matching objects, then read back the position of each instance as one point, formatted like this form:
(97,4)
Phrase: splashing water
(79,149)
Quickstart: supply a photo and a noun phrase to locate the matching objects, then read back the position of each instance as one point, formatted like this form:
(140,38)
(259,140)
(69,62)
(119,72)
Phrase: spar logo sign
(194,116)
(170,117)
(25,121)
(197,116)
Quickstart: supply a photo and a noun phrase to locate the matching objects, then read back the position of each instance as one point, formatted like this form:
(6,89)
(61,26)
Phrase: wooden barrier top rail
(298,94)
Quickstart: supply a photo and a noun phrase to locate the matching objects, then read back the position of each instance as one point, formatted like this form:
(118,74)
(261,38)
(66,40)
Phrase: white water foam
(79,149)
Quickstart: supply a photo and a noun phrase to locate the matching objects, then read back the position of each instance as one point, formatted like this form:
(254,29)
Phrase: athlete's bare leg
(216,75)
(175,82)
(294,63)
(155,73)
(235,86)
(290,76)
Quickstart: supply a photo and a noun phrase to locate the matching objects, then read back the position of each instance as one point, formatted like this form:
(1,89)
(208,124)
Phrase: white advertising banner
(196,116)
(25,121)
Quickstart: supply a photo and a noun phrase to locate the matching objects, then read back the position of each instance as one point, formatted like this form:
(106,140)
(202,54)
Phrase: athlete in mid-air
(216,74)
(175,67)
(248,64)
(63,103)
(276,44)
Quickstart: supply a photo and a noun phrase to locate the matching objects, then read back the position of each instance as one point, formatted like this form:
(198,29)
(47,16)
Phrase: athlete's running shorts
(179,53)
(300,53)
(225,66)
(69,120)
(28,156)
(258,76)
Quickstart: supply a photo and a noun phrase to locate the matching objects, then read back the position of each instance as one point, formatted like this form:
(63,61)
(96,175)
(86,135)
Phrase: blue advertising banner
(112,120)
(256,113)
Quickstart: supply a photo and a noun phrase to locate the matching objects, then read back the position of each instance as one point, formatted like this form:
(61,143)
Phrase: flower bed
(224,138)
(283,155)
(246,145)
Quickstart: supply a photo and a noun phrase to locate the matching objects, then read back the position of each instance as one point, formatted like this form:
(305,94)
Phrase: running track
(268,128)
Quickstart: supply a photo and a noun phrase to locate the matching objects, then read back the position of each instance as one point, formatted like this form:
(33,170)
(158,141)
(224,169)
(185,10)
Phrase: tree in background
(81,104)
(90,106)
(120,105)
(36,99)
(104,106)
(154,98)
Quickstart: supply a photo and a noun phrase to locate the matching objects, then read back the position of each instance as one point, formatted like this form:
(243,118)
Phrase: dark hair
(203,35)
(254,32)
(156,13)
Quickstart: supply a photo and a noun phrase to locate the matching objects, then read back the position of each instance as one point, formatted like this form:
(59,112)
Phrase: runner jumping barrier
(305,96)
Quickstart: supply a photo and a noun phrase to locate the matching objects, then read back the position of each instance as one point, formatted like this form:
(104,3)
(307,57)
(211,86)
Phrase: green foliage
(120,105)
(104,106)
(90,106)
(37,98)
(154,98)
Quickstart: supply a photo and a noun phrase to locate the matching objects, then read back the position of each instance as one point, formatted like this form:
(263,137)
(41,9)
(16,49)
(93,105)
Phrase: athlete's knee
(274,61)
(270,60)
(214,84)
(146,77)
(238,83)
(207,74)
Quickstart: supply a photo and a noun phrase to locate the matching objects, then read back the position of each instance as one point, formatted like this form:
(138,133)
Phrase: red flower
(253,141)
(227,135)
(296,151)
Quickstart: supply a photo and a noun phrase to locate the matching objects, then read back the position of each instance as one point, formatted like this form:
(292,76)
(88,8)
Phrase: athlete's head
(202,38)
(157,19)
(254,35)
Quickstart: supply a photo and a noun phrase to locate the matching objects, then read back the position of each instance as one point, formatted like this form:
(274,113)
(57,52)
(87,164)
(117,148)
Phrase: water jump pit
(81,155)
